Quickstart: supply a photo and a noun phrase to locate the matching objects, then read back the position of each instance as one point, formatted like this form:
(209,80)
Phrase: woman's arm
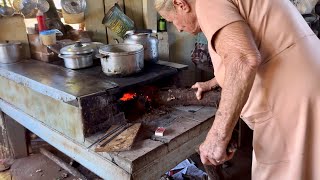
(236,46)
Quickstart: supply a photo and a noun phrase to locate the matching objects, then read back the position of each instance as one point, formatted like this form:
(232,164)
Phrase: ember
(148,98)
(128,96)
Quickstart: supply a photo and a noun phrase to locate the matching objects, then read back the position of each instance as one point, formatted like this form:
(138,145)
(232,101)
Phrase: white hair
(166,5)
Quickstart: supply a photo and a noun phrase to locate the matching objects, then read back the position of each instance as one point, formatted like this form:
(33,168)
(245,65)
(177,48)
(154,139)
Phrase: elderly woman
(267,61)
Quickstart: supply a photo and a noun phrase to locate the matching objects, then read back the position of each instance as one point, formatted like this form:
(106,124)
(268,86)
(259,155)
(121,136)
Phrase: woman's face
(182,20)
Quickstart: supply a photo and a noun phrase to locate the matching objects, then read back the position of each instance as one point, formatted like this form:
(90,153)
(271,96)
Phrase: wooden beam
(134,10)
(149,15)
(5,151)
(14,29)
(94,16)
(17,138)
(13,142)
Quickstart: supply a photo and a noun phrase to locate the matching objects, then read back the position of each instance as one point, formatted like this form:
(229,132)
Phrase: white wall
(181,45)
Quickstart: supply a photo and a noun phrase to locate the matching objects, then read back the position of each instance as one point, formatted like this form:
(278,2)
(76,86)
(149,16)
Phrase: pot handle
(101,56)
(60,56)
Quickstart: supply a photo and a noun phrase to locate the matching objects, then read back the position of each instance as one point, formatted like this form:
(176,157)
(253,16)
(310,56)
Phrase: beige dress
(283,108)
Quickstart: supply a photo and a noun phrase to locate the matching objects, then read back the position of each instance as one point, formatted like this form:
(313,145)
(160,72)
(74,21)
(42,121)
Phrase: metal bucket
(117,21)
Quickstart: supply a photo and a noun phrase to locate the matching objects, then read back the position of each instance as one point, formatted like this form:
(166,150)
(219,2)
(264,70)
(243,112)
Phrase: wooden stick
(63,164)
(187,97)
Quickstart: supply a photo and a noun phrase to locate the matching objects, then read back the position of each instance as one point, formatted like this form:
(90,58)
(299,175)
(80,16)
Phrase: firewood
(186,97)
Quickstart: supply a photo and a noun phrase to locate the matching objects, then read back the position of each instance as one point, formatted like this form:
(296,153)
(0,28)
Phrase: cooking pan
(121,59)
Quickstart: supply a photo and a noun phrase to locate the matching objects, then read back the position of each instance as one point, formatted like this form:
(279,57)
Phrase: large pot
(77,56)
(10,52)
(121,59)
(149,42)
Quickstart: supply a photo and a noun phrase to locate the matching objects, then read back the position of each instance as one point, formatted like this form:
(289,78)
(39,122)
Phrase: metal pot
(96,46)
(77,61)
(121,59)
(77,56)
(149,42)
(10,52)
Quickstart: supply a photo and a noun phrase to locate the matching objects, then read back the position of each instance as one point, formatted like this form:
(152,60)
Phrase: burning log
(150,103)
(187,97)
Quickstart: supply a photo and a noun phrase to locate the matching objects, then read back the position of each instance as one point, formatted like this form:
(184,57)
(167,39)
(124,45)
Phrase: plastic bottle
(162,25)
(41,21)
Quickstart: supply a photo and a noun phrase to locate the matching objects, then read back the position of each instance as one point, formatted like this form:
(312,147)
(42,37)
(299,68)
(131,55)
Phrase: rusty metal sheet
(54,81)
(63,117)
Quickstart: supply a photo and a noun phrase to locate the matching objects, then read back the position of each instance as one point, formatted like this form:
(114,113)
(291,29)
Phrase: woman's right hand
(203,87)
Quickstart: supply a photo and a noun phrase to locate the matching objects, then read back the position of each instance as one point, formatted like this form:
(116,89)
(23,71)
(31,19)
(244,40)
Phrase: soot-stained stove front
(74,103)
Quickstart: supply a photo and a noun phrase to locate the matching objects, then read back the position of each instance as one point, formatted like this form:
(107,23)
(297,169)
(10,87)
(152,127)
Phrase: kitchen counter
(49,99)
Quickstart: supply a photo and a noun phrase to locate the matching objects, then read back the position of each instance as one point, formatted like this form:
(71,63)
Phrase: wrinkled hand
(214,151)
(203,87)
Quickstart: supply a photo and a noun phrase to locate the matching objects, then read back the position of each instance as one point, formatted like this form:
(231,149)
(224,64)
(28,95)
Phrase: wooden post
(134,10)
(13,142)
(5,152)
(94,16)
(149,15)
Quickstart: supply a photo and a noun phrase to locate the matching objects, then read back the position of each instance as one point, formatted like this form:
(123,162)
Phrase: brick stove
(75,103)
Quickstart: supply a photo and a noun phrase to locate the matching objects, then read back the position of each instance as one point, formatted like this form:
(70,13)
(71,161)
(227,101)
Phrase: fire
(128,96)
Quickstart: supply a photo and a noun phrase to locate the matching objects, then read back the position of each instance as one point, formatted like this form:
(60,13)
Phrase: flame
(128,96)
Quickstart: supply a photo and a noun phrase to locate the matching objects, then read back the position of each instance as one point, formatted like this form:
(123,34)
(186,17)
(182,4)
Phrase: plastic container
(41,21)
(48,37)
(117,21)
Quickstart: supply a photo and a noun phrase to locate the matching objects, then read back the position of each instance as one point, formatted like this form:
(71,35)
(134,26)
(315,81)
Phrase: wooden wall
(14,29)
(98,8)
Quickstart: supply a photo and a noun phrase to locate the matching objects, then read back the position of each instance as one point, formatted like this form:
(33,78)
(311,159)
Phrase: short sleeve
(213,15)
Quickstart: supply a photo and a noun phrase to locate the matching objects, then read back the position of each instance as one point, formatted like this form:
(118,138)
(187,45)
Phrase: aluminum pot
(149,42)
(10,52)
(77,61)
(121,59)
(77,56)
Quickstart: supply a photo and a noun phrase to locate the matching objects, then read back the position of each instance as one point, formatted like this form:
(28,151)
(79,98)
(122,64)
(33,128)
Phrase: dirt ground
(38,167)
(35,167)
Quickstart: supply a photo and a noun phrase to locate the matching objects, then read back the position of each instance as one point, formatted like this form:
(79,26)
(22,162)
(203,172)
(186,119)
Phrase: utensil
(77,61)
(77,56)
(95,46)
(6,10)
(10,52)
(74,6)
(149,42)
(43,5)
(117,21)
(121,59)
(30,7)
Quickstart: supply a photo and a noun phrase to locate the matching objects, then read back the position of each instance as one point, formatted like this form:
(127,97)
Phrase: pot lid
(78,48)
